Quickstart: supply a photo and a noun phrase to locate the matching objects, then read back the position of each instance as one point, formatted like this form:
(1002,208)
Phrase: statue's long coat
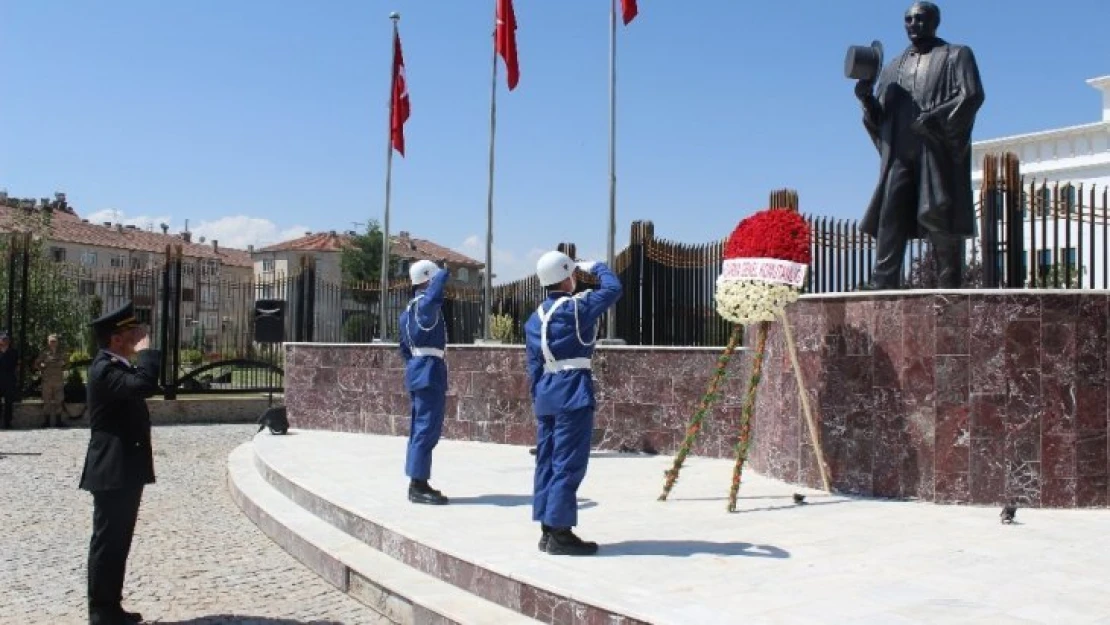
(952,95)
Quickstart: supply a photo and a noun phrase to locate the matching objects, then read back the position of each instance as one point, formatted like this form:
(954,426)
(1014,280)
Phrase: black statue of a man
(920,117)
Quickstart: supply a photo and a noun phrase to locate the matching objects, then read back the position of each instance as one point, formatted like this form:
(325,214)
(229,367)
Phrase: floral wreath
(764,268)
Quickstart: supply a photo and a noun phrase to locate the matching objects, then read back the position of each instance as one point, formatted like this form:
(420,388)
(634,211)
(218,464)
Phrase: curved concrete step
(396,591)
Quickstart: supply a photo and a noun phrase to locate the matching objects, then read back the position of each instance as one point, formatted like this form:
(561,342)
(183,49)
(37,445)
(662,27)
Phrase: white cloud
(236,231)
(239,231)
(509,266)
(144,222)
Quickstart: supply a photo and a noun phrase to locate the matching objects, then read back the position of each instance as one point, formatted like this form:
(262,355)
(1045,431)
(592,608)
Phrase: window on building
(209,294)
(118,261)
(87,287)
(117,289)
(136,262)
(58,254)
(463,274)
(1044,260)
(267,265)
(88,259)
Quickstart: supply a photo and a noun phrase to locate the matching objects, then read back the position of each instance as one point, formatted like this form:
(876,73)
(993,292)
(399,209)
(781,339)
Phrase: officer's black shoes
(563,542)
(421,492)
(113,616)
(545,536)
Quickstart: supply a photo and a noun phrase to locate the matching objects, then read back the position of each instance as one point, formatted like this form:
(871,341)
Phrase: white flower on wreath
(748,301)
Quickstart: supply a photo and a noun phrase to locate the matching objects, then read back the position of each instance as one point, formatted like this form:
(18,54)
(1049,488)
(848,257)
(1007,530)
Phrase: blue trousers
(425,427)
(562,453)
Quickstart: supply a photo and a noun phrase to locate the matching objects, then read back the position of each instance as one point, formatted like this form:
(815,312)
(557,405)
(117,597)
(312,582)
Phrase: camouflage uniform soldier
(51,364)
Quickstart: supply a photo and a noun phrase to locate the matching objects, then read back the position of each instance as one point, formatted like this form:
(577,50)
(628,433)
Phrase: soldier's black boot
(58,423)
(422,492)
(563,542)
(545,536)
(45,421)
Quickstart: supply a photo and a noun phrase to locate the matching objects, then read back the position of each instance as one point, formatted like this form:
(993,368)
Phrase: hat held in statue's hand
(117,320)
(864,62)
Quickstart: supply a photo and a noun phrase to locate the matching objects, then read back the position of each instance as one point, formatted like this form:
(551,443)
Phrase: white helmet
(421,271)
(554,267)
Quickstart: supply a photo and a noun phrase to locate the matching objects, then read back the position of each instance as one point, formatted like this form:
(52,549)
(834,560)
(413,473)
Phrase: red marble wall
(981,398)
(645,396)
(978,398)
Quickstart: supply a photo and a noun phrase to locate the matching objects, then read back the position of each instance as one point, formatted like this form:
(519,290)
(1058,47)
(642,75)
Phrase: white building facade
(1065,165)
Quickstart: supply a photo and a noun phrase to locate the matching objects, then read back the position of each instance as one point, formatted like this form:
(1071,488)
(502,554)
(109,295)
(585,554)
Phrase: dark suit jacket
(9,373)
(119,454)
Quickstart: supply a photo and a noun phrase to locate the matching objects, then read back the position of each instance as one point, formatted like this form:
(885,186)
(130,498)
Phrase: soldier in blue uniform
(560,338)
(422,344)
(119,461)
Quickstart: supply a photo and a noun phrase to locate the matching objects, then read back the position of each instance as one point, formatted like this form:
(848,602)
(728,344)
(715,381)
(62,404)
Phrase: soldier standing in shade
(120,461)
(51,365)
(9,379)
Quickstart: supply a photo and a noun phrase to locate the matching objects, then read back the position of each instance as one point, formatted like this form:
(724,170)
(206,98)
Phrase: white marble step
(398,592)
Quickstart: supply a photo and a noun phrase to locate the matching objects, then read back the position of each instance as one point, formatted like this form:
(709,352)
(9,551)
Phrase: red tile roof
(67,227)
(401,245)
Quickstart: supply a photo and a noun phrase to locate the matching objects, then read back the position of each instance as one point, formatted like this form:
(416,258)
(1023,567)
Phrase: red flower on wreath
(773,233)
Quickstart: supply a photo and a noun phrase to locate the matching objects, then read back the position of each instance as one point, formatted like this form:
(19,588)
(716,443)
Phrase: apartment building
(118,262)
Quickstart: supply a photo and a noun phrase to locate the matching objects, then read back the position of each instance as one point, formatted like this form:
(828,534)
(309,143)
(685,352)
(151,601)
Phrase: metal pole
(21,341)
(611,324)
(611,317)
(487,294)
(388,183)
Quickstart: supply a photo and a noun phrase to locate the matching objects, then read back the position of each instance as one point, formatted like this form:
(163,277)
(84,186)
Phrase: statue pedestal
(983,397)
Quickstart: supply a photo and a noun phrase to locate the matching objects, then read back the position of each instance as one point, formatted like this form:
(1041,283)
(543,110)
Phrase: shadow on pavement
(239,619)
(687,548)
(509,501)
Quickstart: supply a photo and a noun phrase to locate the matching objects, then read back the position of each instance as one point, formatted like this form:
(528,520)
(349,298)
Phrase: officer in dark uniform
(119,462)
(9,377)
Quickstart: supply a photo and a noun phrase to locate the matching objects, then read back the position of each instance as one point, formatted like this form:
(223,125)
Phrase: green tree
(361,261)
(51,298)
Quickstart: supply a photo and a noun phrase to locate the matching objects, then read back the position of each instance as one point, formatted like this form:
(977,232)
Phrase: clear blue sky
(255,119)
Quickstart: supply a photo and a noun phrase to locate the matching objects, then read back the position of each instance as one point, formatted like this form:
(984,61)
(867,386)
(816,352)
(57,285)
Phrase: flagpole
(610,317)
(487,295)
(382,319)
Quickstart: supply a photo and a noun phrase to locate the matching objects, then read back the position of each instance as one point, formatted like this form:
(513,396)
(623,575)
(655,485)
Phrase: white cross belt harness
(433,352)
(551,365)
(427,351)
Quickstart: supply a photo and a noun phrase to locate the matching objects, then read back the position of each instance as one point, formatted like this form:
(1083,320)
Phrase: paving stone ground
(196,558)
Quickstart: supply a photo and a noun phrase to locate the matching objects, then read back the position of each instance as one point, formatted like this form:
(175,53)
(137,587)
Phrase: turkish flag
(400,103)
(629,10)
(505,40)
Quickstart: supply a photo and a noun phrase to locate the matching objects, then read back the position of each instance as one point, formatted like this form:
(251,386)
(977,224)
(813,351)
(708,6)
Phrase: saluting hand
(144,343)
(864,89)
